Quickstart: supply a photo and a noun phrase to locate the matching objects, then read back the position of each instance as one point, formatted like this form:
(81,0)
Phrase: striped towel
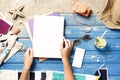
(41,75)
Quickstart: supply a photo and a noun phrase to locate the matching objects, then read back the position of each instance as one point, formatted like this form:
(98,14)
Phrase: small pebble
(93,57)
(23,50)
(20,22)
(97,11)
(98,59)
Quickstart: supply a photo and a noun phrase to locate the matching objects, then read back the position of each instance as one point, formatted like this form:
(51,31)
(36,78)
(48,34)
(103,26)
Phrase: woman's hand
(28,59)
(66,47)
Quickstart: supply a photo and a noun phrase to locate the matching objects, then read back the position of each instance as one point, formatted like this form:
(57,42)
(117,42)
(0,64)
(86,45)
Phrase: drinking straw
(104,33)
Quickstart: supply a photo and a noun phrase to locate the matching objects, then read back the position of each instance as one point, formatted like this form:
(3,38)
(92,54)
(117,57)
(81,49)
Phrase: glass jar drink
(100,42)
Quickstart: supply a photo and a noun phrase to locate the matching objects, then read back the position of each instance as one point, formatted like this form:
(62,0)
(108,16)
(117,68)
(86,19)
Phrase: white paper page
(47,36)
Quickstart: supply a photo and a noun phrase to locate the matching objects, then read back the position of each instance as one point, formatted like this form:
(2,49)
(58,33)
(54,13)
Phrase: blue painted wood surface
(110,56)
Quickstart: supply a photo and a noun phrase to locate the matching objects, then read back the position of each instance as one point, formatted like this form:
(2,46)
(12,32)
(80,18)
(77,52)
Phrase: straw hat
(111,14)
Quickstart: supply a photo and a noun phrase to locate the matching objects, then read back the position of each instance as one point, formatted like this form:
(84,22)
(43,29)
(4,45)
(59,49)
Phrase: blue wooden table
(110,57)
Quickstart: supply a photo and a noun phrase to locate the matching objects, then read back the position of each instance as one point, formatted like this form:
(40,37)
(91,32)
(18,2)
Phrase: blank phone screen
(104,74)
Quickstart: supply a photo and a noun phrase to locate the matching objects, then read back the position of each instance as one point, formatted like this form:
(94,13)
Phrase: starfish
(17,11)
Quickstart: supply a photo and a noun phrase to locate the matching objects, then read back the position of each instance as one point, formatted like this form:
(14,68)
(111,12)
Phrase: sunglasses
(86,37)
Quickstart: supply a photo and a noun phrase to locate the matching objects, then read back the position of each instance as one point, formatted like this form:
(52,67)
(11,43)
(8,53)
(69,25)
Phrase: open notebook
(47,35)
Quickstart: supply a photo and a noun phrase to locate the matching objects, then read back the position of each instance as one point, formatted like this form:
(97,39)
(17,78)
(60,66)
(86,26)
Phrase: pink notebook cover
(4,27)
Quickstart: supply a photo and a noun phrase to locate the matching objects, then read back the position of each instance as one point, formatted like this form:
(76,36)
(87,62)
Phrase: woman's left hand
(28,59)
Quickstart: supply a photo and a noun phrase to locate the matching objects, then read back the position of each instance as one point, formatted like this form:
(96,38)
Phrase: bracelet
(26,69)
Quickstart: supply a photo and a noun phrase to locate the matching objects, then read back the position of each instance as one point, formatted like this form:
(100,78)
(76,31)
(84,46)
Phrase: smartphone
(103,72)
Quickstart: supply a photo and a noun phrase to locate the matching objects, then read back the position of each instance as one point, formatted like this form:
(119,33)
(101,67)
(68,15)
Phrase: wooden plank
(23,33)
(113,44)
(77,31)
(114,77)
(90,57)
(70,21)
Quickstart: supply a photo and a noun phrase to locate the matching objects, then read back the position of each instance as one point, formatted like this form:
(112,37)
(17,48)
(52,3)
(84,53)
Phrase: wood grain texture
(110,56)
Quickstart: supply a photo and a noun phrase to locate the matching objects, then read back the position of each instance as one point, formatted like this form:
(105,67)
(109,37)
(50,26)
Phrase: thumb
(31,53)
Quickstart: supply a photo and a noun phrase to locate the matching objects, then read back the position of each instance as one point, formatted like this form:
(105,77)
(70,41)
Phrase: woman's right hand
(66,47)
